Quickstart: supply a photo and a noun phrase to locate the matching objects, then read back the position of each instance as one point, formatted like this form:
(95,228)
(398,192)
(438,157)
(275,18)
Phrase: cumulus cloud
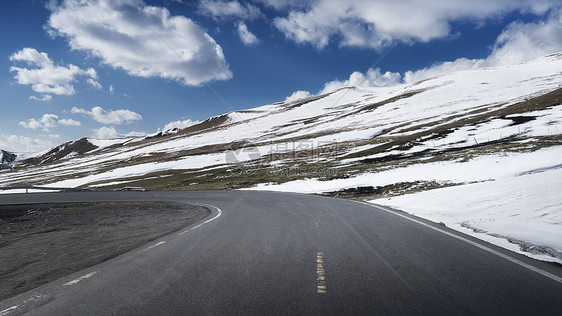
(178,124)
(247,37)
(221,10)
(45,97)
(94,83)
(45,122)
(115,117)
(23,144)
(376,24)
(373,78)
(285,4)
(48,121)
(105,132)
(143,40)
(297,95)
(442,68)
(69,122)
(519,42)
(135,134)
(109,132)
(46,77)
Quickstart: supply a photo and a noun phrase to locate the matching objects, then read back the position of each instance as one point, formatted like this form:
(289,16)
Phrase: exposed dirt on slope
(42,243)
(78,147)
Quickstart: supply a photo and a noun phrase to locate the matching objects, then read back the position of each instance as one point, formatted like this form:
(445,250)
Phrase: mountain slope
(63,151)
(360,125)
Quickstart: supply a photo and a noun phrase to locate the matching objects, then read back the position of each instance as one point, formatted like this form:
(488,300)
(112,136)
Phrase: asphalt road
(278,253)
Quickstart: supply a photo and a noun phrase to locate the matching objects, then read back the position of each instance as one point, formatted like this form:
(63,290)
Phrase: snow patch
(523,210)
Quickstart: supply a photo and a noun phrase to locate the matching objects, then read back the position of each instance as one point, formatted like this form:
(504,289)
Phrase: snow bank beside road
(525,209)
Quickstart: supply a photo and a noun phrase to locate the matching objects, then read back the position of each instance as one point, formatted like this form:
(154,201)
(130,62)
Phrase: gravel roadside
(42,243)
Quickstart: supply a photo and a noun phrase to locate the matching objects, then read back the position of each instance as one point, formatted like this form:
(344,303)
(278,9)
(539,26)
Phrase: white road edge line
(155,245)
(13,308)
(495,252)
(219,213)
(89,275)
(8,310)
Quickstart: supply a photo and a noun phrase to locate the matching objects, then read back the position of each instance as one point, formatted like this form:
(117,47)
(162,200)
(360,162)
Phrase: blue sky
(105,69)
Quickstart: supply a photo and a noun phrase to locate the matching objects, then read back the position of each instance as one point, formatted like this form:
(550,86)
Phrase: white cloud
(111,89)
(45,97)
(94,83)
(109,132)
(297,95)
(23,144)
(44,76)
(48,121)
(69,122)
(221,9)
(178,124)
(247,37)
(442,68)
(376,24)
(285,4)
(373,78)
(105,132)
(115,117)
(32,57)
(519,42)
(143,40)
(135,134)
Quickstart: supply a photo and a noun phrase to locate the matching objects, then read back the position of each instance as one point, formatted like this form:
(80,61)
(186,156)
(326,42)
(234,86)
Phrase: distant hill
(7,157)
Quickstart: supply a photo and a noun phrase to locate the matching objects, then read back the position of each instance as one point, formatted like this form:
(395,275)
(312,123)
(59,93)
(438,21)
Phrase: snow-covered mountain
(459,129)
(64,151)
(358,125)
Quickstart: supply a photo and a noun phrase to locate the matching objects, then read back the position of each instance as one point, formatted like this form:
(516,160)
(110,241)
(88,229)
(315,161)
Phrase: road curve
(281,253)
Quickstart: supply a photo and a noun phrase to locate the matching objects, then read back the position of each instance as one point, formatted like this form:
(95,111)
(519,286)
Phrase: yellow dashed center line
(320,274)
